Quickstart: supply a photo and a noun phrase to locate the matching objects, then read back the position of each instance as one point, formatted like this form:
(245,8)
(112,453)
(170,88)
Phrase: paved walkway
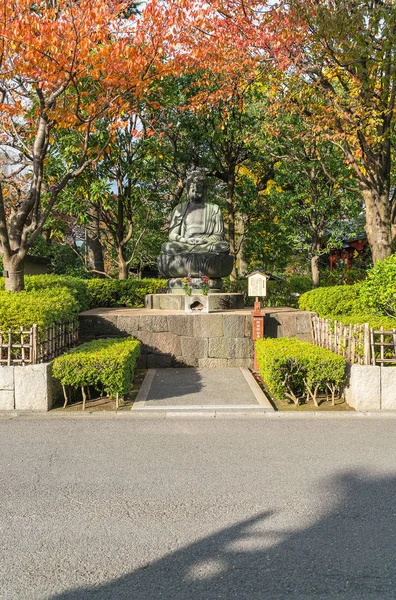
(200,388)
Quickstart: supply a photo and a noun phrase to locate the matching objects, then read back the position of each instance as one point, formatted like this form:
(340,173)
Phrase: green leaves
(42,306)
(129,292)
(378,292)
(291,368)
(370,301)
(109,362)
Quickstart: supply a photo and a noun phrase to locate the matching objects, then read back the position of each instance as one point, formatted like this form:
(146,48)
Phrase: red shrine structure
(349,251)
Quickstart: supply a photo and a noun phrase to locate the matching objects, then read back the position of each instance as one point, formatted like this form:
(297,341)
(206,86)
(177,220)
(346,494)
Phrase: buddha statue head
(196,186)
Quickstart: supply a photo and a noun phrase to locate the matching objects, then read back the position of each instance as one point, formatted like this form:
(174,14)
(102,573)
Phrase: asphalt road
(201,509)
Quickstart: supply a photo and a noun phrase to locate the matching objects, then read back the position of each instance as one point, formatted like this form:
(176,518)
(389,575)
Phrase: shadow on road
(349,553)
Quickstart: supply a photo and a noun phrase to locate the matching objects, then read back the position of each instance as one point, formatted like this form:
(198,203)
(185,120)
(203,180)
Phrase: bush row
(296,370)
(370,301)
(49,299)
(115,292)
(109,363)
(333,301)
(43,306)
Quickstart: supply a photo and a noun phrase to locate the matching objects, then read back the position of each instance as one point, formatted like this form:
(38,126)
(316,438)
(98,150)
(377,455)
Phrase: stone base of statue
(218,302)
(176,286)
(190,264)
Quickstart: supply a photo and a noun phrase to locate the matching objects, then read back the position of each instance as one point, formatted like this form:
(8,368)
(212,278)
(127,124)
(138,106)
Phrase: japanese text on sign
(257,285)
(258,328)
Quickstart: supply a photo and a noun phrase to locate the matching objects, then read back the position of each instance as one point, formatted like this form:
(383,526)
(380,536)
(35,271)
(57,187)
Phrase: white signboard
(257,285)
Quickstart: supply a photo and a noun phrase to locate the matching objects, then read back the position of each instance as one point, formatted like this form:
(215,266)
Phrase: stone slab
(7,399)
(364,391)
(35,389)
(234,325)
(208,325)
(212,363)
(194,347)
(388,388)
(128,325)
(219,347)
(182,324)
(217,302)
(6,378)
(166,343)
(153,323)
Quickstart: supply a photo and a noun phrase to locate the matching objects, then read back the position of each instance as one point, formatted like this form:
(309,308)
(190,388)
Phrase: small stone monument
(196,245)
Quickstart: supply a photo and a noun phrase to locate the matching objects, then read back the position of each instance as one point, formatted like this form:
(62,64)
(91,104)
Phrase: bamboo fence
(359,343)
(31,346)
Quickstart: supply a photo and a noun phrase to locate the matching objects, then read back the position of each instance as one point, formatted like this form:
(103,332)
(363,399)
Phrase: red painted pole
(258,328)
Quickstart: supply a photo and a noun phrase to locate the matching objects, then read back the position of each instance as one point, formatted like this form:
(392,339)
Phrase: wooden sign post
(257,283)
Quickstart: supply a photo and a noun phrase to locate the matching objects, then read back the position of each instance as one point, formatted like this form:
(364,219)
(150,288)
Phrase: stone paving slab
(199,387)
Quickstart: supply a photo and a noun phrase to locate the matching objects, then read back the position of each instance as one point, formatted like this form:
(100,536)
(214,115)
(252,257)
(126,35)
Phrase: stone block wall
(371,388)
(288,323)
(170,340)
(27,388)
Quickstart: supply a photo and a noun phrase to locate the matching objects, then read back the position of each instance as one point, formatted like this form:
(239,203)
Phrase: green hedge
(378,292)
(44,307)
(333,301)
(75,286)
(129,292)
(110,363)
(295,370)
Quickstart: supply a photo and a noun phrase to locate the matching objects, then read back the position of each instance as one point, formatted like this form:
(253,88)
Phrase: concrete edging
(29,387)
(371,388)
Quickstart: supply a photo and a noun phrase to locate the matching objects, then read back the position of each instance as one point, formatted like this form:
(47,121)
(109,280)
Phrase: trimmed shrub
(128,292)
(374,321)
(110,363)
(332,302)
(43,307)
(294,369)
(378,291)
(75,286)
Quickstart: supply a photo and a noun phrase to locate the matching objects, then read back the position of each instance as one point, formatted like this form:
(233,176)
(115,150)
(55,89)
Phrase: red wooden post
(258,328)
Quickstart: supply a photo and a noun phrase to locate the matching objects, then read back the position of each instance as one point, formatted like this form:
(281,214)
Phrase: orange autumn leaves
(85,51)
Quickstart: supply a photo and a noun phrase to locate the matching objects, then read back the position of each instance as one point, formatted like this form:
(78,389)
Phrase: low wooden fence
(359,344)
(31,346)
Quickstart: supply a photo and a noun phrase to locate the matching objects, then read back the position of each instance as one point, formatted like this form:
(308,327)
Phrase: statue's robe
(210,229)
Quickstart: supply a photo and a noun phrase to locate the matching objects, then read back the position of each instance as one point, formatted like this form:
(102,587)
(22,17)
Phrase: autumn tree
(350,59)
(346,50)
(63,65)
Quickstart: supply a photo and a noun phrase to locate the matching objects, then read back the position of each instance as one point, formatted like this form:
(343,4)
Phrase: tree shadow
(173,383)
(348,553)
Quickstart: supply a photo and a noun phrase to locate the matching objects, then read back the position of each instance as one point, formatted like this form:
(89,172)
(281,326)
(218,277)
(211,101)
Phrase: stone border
(238,413)
(256,389)
(31,387)
(371,388)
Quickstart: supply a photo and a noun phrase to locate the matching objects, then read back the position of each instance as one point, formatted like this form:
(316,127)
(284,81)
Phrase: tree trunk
(14,268)
(240,230)
(315,271)
(378,223)
(94,245)
(123,267)
(231,219)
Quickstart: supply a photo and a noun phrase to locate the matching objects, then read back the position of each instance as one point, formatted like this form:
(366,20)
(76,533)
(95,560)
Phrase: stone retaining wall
(371,388)
(214,340)
(171,340)
(27,388)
